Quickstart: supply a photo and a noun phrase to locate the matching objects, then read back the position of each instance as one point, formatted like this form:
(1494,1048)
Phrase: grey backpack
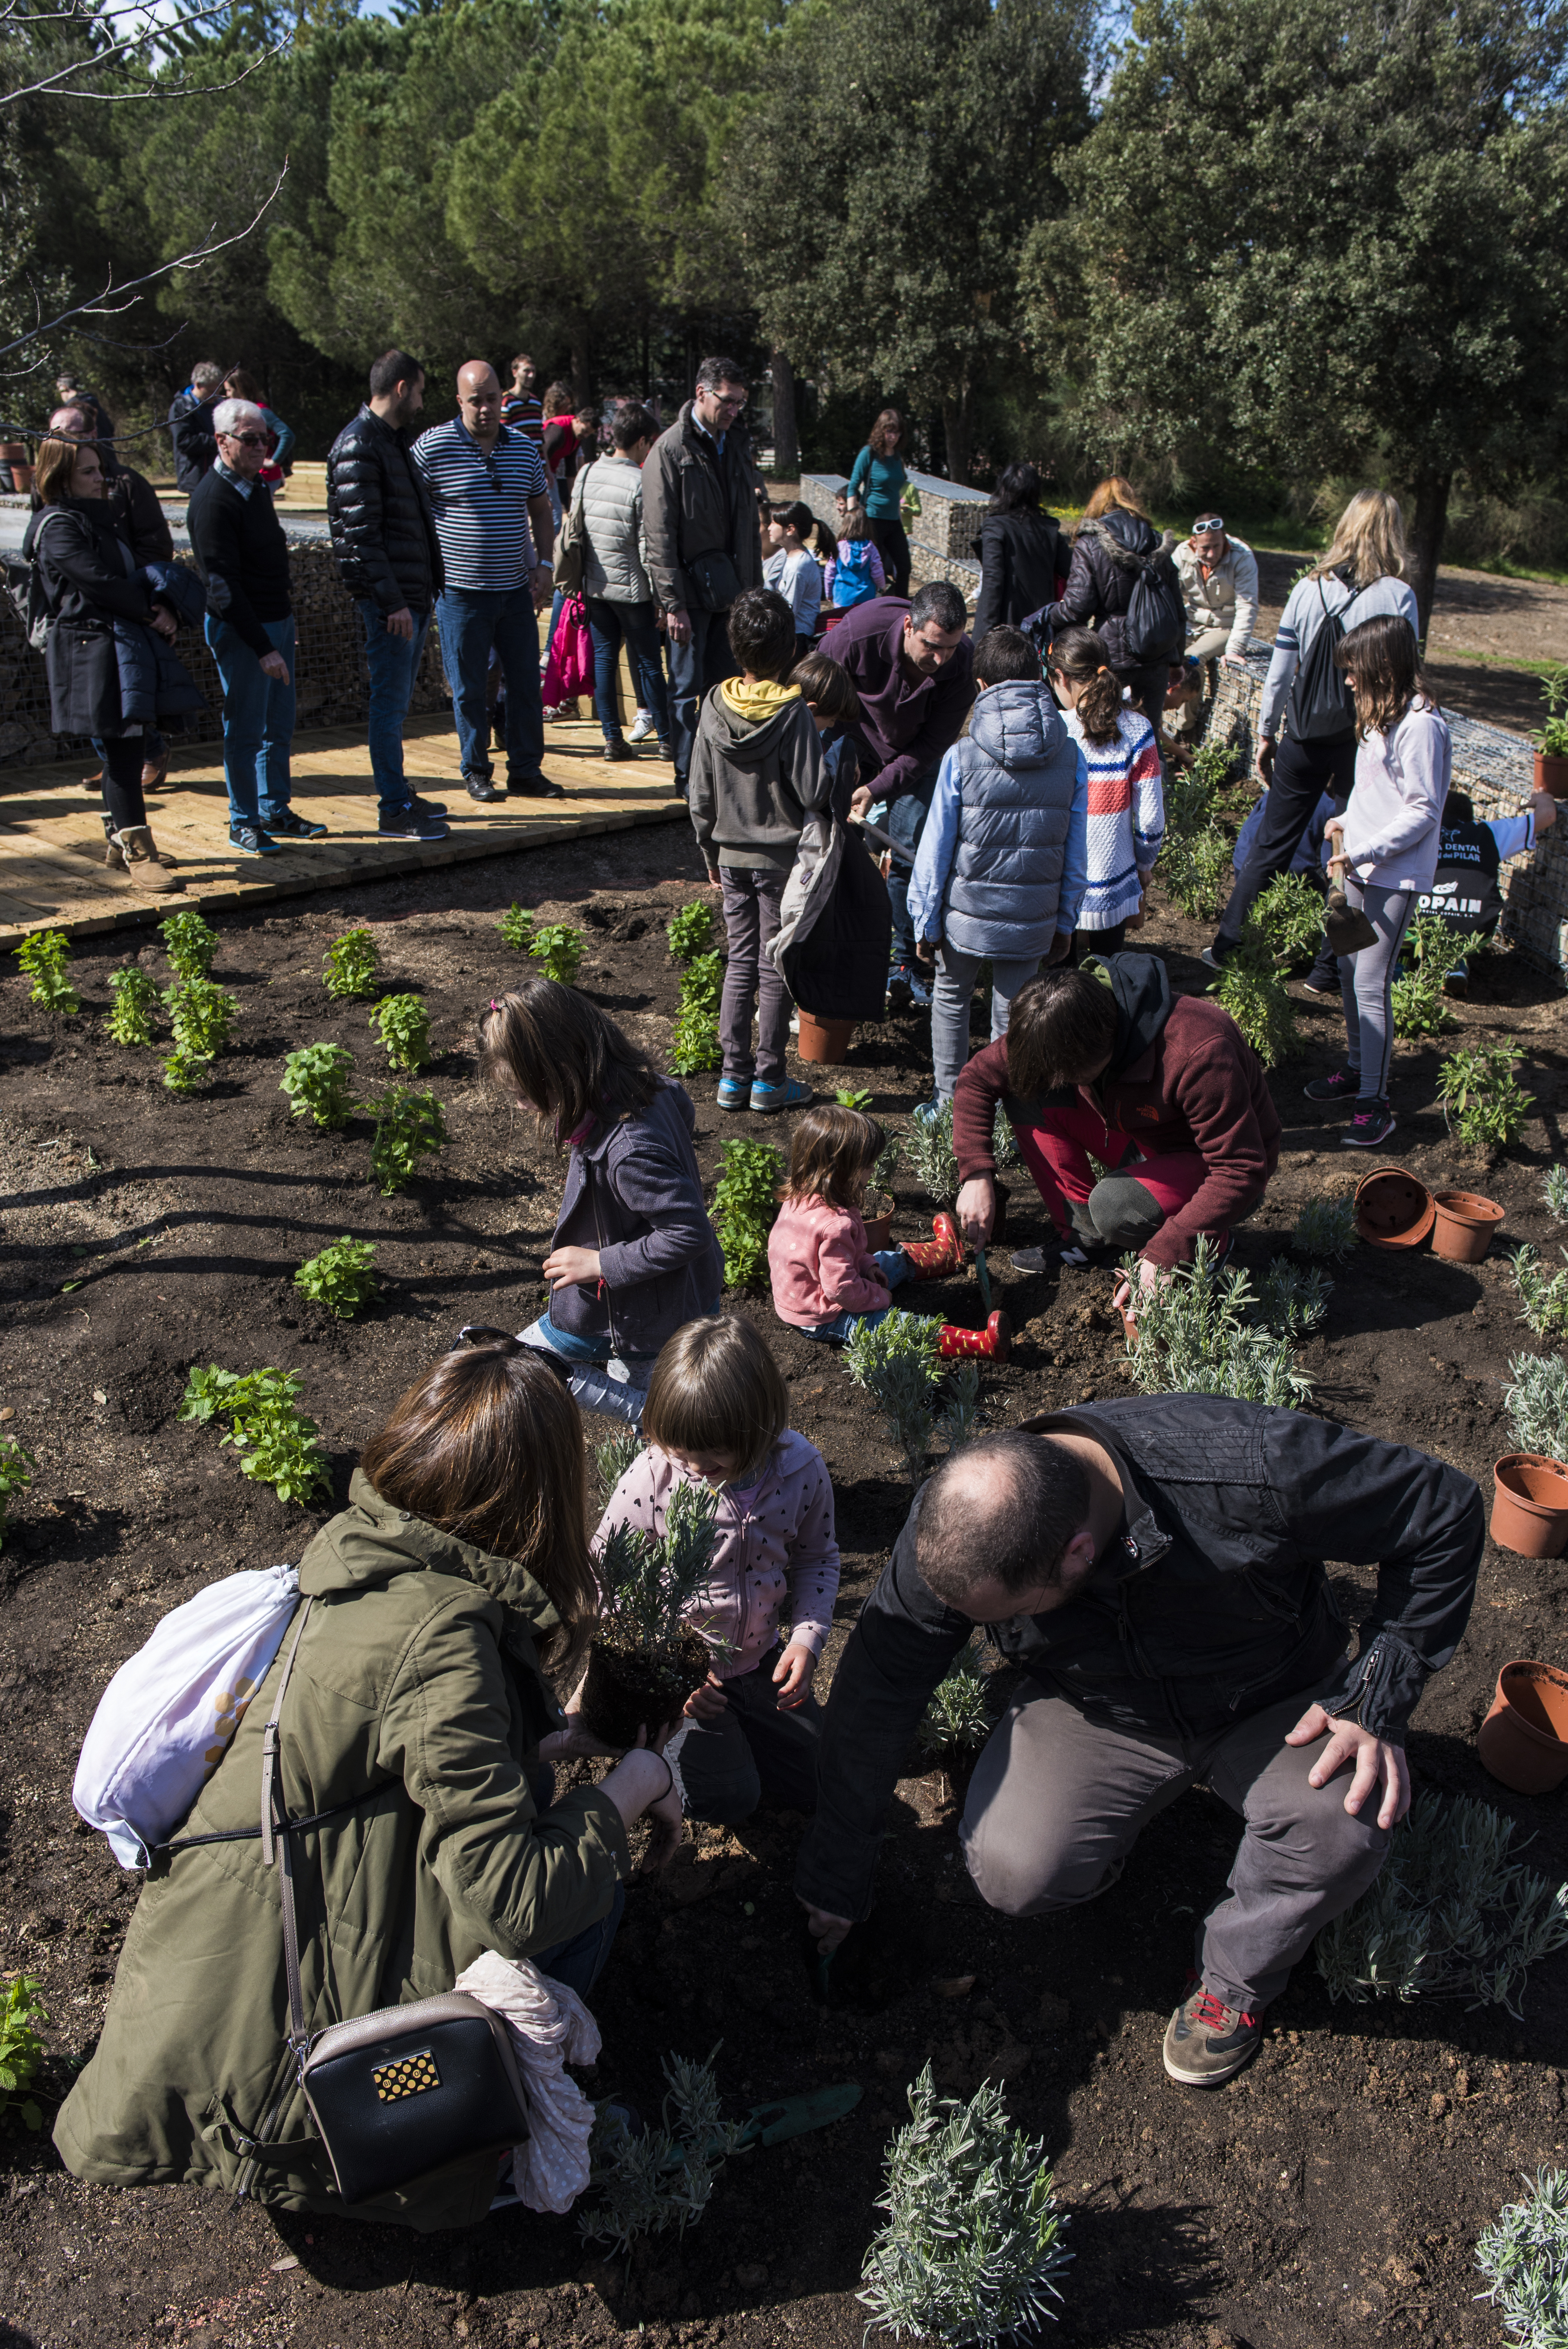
(24,586)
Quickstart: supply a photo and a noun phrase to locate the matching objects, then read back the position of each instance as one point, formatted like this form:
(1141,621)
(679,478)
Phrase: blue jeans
(894,1265)
(620,1398)
(611,625)
(580,1961)
(694,667)
(258,722)
(472,619)
(394,663)
(905,823)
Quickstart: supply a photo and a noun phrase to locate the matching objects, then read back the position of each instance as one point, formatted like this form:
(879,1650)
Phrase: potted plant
(644,1659)
(1551,742)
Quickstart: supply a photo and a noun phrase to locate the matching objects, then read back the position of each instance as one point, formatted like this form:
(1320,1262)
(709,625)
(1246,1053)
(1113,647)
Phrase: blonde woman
(1299,756)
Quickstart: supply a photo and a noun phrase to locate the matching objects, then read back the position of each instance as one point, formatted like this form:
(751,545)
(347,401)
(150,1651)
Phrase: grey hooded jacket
(754,780)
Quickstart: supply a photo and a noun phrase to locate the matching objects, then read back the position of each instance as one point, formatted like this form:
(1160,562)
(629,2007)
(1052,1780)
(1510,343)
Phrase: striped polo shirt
(480,505)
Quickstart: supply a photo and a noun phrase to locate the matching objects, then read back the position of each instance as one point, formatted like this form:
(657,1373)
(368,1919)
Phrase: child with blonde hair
(826,1278)
(855,571)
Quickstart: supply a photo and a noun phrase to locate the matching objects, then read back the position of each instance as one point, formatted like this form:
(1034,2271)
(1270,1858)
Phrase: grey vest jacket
(1019,772)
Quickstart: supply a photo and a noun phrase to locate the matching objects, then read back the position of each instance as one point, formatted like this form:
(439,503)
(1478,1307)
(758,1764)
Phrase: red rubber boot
(935,1260)
(996,1341)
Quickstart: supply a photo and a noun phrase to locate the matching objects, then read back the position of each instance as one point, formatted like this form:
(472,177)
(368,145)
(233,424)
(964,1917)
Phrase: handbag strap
(277,1839)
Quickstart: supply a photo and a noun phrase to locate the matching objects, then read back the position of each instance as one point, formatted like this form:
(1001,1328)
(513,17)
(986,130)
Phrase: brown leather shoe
(153,773)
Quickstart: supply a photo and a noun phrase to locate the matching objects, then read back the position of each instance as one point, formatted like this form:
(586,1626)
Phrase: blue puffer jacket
(1003,860)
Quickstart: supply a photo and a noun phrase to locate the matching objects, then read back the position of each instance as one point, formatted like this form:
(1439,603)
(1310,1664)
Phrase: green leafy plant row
(43,955)
(694,1046)
(690,932)
(1204,1329)
(277,1445)
(745,1202)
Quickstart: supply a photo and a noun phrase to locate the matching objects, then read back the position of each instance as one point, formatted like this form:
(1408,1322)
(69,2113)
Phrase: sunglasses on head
(480,1333)
(1210,522)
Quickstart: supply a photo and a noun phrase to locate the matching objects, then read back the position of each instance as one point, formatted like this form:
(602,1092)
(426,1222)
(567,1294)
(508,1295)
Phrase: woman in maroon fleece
(1105,1058)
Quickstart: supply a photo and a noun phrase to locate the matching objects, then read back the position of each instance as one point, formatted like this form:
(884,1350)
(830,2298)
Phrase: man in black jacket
(1155,1570)
(191,425)
(389,559)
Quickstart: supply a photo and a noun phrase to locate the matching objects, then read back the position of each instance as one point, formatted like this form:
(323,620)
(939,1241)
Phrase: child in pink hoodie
(718,1414)
(826,1280)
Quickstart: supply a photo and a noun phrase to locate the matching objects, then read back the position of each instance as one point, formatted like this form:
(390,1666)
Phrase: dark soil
(1333,2193)
(629,1690)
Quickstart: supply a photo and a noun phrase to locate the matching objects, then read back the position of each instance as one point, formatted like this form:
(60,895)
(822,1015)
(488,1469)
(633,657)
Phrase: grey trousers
(950,997)
(1366,983)
(752,982)
(752,1753)
(1057,1803)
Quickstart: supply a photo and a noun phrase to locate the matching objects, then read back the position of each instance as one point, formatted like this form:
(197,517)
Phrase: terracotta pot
(879,1227)
(21,477)
(1529,1510)
(1462,1224)
(1523,1740)
(1552,775)
(1393,1208)
(825,1040)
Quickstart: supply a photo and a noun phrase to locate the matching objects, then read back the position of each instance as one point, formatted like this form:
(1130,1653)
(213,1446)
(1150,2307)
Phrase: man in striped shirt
(491,512)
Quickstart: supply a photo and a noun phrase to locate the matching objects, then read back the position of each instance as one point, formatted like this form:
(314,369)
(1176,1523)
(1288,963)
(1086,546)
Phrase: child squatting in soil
(825,1276)
(718,1414)
(634,1256)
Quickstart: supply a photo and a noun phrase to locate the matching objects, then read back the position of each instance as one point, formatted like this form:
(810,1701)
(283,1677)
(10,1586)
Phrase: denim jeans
(580,1961)
(258,721)
(950,1000)
(470,620)
(611,625)
(905,823)
(394,663)
(751,897)
(752,1753)
(894,1265)
(590,1381)
(693,668)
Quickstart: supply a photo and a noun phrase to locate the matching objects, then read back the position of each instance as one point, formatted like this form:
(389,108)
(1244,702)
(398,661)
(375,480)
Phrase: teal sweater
(886,477)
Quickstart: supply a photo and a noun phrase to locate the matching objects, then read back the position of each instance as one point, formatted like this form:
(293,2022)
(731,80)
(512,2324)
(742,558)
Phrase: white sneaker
(641,727)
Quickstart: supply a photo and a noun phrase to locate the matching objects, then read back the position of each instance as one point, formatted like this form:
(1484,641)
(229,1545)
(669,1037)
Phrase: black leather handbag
(399,2093)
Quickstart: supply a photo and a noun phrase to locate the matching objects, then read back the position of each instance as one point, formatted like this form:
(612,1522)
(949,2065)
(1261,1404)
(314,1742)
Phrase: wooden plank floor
(52,874)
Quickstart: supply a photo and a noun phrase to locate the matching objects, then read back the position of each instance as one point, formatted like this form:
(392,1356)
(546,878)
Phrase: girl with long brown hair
(878,479)
(1126,790)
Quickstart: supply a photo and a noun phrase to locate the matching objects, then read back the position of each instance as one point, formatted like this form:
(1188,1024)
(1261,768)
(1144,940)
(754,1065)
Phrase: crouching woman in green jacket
(417,1711)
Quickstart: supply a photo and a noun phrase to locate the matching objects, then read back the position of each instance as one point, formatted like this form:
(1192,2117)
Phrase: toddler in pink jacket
(718,1414)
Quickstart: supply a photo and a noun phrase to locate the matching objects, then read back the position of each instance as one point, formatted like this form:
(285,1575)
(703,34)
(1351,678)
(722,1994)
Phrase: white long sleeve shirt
(1394,822)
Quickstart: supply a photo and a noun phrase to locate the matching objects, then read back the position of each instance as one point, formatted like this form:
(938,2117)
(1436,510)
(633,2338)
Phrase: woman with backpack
(1122,583)
(1306,725)
(1023,563)
(878,479)
(855,570)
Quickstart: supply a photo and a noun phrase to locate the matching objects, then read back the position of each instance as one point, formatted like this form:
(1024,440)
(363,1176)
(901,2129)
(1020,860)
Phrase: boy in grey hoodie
(756,772)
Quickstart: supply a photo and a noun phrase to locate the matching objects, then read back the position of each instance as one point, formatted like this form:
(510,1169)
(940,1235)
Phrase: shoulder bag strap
(277,1839)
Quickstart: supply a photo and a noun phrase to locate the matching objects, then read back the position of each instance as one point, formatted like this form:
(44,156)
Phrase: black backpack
(1155,627)
(1320,701)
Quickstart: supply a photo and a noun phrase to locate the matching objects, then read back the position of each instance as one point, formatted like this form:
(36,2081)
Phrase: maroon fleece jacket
(906,722)
(1198,1086)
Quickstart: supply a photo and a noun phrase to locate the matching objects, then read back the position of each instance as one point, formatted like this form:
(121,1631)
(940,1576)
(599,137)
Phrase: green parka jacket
(416,1695)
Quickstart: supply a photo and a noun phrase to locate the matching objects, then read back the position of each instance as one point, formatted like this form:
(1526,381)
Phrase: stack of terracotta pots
(1394,1209)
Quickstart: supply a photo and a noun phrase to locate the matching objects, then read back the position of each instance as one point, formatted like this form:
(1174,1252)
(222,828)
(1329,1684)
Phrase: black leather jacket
(1210,1604)
(379,511)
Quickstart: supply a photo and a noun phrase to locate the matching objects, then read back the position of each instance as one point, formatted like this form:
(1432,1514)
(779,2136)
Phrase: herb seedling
(887,1164)
(1257,999)
(745,1202)
(616,1456)
(1555,1190)
(317,1080)
(560,949)
(408,1126)
(190,944)
(1196,869)
(1197,1335)
(43,955)
(694,1045)
(135,1006)
(690,932)
(1543,1304)
(898,1364)
(403,1025)
(1326,1228)
(350,965)
(1420,1006)
(664,2177)
(1482,1103)
(645,1658)
(277,1445)
(957,1720)
(1004,1142)
(1536,1402)
(1289,917)
(516,927)
(1193,799)
(21,2049)
(202,1016)
(930,1153)
(1290,1301)
(1553,739)
(1524,2252)
(16,1467)
(340,1277)
(853,1097)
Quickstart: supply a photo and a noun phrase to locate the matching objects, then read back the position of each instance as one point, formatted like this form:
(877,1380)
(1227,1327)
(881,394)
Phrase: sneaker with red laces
(1207,2042)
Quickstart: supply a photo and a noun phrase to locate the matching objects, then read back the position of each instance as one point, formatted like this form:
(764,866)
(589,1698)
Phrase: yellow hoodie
(757,700)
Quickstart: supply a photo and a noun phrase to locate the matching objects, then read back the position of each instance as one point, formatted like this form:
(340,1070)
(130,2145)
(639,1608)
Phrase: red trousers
(1056,1153)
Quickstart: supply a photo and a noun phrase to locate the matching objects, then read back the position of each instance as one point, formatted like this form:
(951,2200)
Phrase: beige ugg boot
(146,867)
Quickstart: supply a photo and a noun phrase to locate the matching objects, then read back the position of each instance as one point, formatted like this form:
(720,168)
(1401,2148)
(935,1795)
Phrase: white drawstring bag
(164,1721)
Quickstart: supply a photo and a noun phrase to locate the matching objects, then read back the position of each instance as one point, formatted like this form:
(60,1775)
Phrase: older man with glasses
(243,557)
(497,534)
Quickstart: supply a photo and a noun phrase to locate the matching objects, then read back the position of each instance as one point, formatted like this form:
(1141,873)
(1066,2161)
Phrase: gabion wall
(942,536)
(333,684)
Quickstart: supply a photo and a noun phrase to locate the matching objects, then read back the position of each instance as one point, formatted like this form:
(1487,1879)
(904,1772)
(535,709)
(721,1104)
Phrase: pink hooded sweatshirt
(820,1264)
(776,1542)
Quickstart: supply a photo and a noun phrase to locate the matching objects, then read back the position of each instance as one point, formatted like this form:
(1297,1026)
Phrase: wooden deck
(53,877)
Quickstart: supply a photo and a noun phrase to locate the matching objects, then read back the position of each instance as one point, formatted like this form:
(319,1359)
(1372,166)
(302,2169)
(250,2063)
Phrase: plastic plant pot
(1523,1741)
(824,1040)
(1462,1224)
(879,1224)
(1552,775)
(1394,1208)
(1530,1505)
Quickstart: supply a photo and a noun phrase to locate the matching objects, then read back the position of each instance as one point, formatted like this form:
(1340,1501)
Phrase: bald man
(492,517)
(1153,1570)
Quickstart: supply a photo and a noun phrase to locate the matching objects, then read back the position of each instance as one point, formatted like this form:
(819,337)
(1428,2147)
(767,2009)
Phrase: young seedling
(1197,1335)
(1004,1142)
(898,1365)
(1196,869)
(135,1006)
(202,1016)
(16,1467)
(1551,741)
(614,1456)
(853,1097)
(1524,2252)
(1326,1227)
(403,1025)
(560,949)
(318,1078)
(190,944)
(407,1127)
(931,1154)
(43,955)
(690,932)
(1420,1006)
(1483,1104)
(1543,1304)
(972,2244)
(694,1045)
(1193,799)
(340,1277)
(664,2178)
(1288,916)
(1290,1301)
(350,965)
(21,2049)
(745,1202)
(957,1721)
(1536,1402)
(1257,999)
(644,1659)
(276,1443)
(516,927)
(960,1413)
(887,1164)
(1555,1189)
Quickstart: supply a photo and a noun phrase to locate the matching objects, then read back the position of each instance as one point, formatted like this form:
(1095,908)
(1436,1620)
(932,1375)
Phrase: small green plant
(318,1081)
(1551,741)
(1290,1301)
(614,1456)
(1257,999)
(202,1016)
(1326,1228)
(1524,2252)
(647,1581)
(135,1006)
(1536,1402)
(898,1363)
(1193,799)
(960,1413)
(1197,1334)
(1453,1915)
(186,1072)
(972,2244)
(350,965)
(560,949)
(1555,1189)
(745,1202)
(408,1126)
(403,1025)
(1004,1142)
(340,1277)
(1289,917)
(957,1720)
(853,1097)
(1196,869)
(190,944)
(887,1164)
(43,955)
(16,1467)
(1483,1104)
(516,927)
(276,1443)
(695,1046)
(1543,1304)
(21,2049)
(931,1155)
(664,2178)
(690,932)
(1420,1006)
